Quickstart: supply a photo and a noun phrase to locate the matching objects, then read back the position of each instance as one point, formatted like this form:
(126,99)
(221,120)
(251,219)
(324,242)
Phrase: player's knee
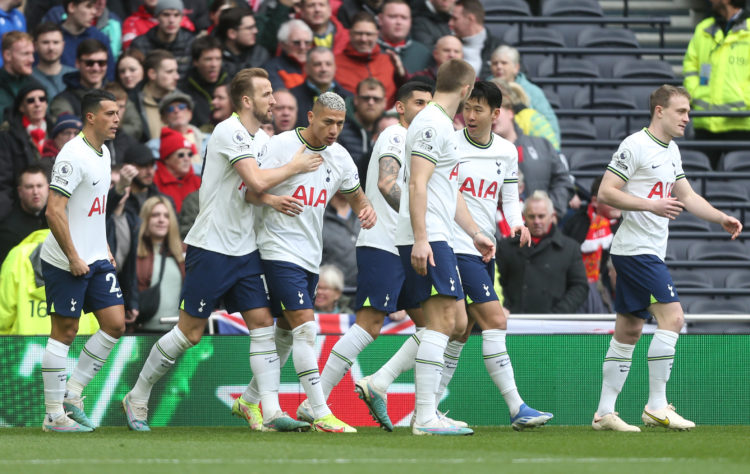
(115,330)
(305,332)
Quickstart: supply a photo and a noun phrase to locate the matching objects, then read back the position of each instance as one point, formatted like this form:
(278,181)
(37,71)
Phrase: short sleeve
(426,144)
(623,162)
(679,172)
(269,154)
(236,146)
(66,175)
(394,148)
(349,177)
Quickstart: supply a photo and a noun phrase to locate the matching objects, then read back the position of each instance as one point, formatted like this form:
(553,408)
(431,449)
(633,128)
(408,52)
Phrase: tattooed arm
(387,180)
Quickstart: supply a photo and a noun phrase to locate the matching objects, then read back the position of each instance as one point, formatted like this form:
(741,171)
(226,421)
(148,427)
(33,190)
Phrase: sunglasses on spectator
(31,100)
(176,107)
(300,43)
(184,154)
(371,98)
(92,62)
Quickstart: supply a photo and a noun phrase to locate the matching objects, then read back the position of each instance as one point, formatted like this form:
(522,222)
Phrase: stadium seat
(502,8)
(738,279)
(593,160)
(596,37)
(497,29)
(695,160)
(688,222)
(679,247)
(533,36)
(567,67)
(571,8)
(726,306)
(634,68)
(690,279)
(718,250)
(553,98)
(603,99)
(622,128)
(642,96)
(576,129)
(738,160)
(725,191)
(569,32)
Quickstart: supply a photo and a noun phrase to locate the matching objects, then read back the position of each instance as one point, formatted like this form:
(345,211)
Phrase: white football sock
(497,362)
(399,363)
(306,365)
(93,357)
(428,370)
(343,355)
(283,339)
(660,358)
(161,358)
(264,363)
(54,376)
(615,371)
(450,357)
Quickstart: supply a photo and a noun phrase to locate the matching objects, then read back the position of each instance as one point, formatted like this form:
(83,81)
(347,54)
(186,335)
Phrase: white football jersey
(390,143)
(82,174)
(483,173)
(225,221)
(649,168)
(431,137)
(299,239)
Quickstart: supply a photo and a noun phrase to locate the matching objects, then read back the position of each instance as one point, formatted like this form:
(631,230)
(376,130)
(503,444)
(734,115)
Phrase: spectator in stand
(65,129)
(76,27)
(161,79)
(340,231)
(26,215)
(505,63)
(168,35)
(328,32)
(717,72)
(143,20)
(321,72)
(142,185)
(286,70)
(129,69)
(18,59)
(160,261)
(11,18)
(284,111)
(217,8)
(104,20)
(91,65)
(467,22)
(351,8)
(362,58)
(329,296)
(238,31)
(525,271)
(395,26)
(529,120)
(49,70)
(176,111)
(356,136)
(206,73)
(174,171)
(222,106)
(122,141)
(431,19)
(446,48)
(197,12)
(542,167)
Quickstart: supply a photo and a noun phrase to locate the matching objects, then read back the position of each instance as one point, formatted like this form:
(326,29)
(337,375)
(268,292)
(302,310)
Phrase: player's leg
(658,412)
(453,350)
(251,396)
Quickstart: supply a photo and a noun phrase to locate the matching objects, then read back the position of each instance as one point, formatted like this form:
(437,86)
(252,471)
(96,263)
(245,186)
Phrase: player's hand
(131,315)
(127,173)
(524,232)
(731,225)
(78,266)
(112,258)
(421,255)
(287,205)
(669,207)
(367,217)
(305,162)
(485,245)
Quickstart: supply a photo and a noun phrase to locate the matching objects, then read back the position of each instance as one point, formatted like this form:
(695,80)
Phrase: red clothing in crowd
(141,21)
(353,66)
(177,189)
(598,238)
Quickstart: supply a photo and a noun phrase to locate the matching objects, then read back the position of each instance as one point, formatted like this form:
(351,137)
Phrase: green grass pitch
(706,449)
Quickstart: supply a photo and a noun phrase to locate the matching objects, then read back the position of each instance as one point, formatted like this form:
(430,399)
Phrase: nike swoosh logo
(96,182)
(663,422)
(653,167)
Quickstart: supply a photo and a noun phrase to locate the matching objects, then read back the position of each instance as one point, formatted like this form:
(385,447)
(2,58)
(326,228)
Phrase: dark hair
(370,83)
(90,46)
(363,16)
(663,94)
(44,28)
(595,186)
(488,92)
(474,7)
(91,101)
(203,44)
(65,3)
(31,169)
(231,19)
(116,89)
(154,58)
(405,92)
(242,85)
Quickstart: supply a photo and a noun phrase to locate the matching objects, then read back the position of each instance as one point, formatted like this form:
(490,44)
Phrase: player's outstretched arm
(283,204)
(362,207)
(421,253)
(388,168)
(512,212)
(482,242)
(610,192)
(57,219)
(696,204)
(261,180)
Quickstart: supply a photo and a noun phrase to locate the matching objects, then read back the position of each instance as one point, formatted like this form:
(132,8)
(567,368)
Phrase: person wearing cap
(207,73)
(168,34)
(174,171)
(176,110)
(66,128)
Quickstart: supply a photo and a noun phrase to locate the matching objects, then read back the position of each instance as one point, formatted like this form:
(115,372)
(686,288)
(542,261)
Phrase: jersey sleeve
(394,149)
(427,144)
(511,204)
(235,147)
(679,172)
(349,176)
(66,175)
(624,161)
(270,154)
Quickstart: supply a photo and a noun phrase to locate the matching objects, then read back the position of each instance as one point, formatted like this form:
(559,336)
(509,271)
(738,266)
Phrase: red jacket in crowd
(141,21)
(177,189)
(353,66)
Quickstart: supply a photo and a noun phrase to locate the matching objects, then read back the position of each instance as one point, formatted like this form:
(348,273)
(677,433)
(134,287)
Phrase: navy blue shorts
(442,279)
(380,276)
(477,278)
(641,281)
(291,287)
(67,295)
(211,276)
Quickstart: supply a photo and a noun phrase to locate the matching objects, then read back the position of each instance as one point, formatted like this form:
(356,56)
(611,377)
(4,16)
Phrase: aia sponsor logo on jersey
(99,206)
(661,190)
(486,189)
(309,197)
